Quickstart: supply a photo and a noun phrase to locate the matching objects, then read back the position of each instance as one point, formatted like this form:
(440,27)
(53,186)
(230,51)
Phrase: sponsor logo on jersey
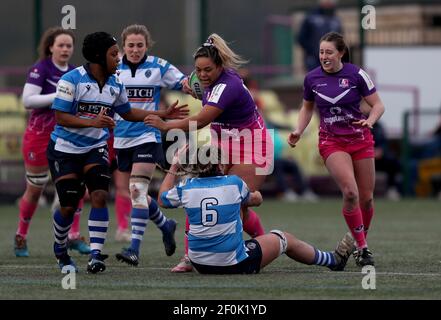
(140,94)
(34,74)
(162,62)
(65,90)
(90,110)
(343,83)
(148,73)
(217,92)
(335,110)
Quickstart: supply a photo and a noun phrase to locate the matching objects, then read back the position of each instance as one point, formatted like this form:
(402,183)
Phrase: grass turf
(405,239)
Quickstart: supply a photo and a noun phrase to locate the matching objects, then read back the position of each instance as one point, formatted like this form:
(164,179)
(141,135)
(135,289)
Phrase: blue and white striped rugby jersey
(143,83)
(78,93)
(213,208)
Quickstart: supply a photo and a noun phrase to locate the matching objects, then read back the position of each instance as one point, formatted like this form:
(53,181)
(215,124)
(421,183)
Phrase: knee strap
(139,190)
(37,180)
(70,192)
(282,240)
(97,178)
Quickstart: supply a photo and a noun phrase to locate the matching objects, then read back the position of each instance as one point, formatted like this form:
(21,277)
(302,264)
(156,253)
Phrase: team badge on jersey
(343,83)
(112,91)
(148,73)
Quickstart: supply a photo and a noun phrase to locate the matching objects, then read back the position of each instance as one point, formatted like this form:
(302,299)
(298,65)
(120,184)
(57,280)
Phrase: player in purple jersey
(236,125)
(345,141)
(55,50)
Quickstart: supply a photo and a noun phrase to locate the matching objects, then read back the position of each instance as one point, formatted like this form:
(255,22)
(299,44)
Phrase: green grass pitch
(405,239)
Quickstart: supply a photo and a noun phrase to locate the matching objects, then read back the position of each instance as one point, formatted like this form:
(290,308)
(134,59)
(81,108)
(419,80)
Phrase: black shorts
(150,152)
(62,163)
(248,266)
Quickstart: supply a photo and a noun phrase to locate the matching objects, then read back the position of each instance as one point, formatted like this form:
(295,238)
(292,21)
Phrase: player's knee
(283,242)
(138,193)
(70,192)
(98,198)
(37,180)
(350,195)
(98,178)
(33,194)
(367,204)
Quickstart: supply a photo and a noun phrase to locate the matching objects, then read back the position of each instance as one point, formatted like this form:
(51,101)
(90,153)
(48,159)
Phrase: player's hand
(364,123)
(103,121)
(176,112)
(154,121)
(293,138)
(186,87)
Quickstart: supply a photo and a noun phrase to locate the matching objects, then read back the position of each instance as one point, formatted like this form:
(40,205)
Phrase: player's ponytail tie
(209,42)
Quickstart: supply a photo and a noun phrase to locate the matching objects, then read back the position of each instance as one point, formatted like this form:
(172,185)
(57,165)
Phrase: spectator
(318,22)
(287,169)
(386,161)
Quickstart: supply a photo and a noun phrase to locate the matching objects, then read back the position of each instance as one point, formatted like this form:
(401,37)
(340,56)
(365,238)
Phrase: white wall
(419,67)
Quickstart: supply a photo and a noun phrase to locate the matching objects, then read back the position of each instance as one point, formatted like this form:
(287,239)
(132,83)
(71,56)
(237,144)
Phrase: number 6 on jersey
(209,216)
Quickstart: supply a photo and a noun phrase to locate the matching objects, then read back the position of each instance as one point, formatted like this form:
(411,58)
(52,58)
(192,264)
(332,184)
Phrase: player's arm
(33,99)
(65,108)
(167,195)
(304,119)
(202,119)
(255,199)
(172,112)
(377,110)
(66,119)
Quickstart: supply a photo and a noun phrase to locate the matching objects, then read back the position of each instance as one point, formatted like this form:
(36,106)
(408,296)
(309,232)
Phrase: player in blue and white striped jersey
(139,147)
(86,99)
(212,203)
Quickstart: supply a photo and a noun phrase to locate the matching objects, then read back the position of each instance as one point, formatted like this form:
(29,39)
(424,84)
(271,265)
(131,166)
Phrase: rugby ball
(195,85)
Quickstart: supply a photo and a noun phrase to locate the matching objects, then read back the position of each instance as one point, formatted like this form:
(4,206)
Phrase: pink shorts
(34,148)
(358,148)
(255,148)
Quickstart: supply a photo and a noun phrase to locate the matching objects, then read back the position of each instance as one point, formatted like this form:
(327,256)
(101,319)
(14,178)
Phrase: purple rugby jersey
(231,95)
(337,96)
(45,75)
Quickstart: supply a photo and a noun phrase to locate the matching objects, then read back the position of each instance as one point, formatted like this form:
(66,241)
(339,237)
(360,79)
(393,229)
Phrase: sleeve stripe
(370,85)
